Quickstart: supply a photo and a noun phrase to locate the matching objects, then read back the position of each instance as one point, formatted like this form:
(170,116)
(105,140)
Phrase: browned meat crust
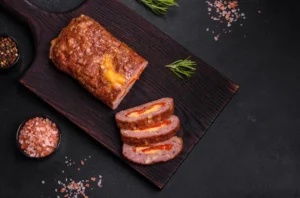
(150,137)
(125,122)
(105,66)
(132,154)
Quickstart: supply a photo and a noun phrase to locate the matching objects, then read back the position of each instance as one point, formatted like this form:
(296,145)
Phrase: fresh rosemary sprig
(159,7)
(183,68)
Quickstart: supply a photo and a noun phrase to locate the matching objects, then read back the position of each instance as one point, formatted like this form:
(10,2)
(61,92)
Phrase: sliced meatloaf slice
(155,133)
(155,153)
(145,115)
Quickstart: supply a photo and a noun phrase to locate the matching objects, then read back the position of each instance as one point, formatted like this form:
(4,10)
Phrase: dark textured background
(252,150)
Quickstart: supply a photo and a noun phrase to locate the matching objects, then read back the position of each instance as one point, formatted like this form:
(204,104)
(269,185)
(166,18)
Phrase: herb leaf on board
(183,68)
(159,7)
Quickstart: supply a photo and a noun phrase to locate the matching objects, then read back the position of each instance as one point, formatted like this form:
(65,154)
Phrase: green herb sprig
(159,7)
(183,68)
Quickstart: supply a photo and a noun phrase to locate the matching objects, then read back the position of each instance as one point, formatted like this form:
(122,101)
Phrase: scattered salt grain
(99,183)
(43,182)
(227,13)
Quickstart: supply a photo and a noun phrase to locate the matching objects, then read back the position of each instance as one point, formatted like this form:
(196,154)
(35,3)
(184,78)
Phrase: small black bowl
(22,125)
(17,59)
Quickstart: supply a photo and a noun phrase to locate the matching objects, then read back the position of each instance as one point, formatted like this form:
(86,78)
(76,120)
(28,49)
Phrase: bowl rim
(19,53)
(21,126)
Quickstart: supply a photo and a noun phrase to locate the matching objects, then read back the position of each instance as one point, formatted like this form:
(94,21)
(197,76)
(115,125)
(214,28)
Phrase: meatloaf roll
(105,66)
(149,135)
(159,152)
(146,114)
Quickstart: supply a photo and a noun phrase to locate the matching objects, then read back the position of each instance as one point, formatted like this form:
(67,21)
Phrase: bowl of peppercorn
(9,52)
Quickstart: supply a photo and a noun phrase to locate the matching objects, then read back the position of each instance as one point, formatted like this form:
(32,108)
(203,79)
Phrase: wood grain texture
(198,100)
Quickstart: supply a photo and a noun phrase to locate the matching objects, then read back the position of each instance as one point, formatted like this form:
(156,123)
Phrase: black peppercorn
(8,52)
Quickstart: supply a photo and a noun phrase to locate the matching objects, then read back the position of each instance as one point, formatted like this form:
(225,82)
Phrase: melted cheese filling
(153,149)
(150,110)
(150,129)
(140,149)
(116,79)
(153,127)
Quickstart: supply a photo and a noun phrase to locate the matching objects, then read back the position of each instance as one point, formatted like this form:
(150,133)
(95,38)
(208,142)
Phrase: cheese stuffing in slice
(153,149)
(151,109)
(149,129)
(140,149)
(154,127)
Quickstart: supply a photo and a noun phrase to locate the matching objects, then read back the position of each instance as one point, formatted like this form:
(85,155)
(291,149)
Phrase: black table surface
(251,150)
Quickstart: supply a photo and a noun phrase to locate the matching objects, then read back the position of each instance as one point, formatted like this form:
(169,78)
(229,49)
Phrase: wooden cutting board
(198,100)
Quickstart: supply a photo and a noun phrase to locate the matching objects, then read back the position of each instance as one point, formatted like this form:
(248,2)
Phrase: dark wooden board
(198,100)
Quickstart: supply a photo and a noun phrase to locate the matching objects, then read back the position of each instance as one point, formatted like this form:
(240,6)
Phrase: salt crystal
(216,38)
(43,182)
(207,29)
(99,183)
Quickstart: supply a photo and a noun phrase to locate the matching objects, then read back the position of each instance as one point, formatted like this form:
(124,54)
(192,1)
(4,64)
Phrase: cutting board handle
(25,10)
(37,18)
